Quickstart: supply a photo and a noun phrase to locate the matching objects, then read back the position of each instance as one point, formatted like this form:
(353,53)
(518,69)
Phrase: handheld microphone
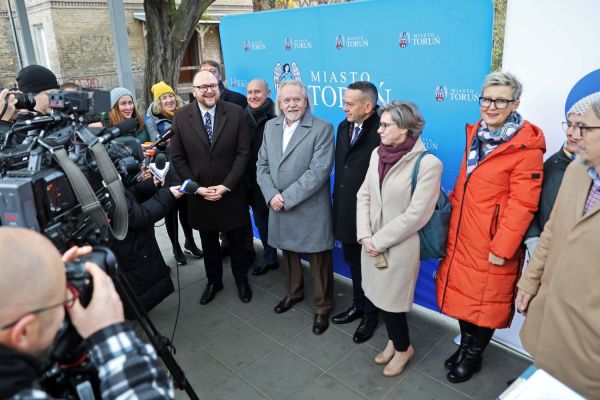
(160,166)
(189,187)
(109,134)
(168,135)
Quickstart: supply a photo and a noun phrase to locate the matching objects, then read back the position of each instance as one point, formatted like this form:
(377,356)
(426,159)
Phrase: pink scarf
(390,155)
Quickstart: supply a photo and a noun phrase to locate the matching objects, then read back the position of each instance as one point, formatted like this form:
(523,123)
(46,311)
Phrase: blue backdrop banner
(434,53)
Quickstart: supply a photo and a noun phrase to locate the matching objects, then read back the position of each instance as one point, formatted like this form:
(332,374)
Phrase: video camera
(63,180)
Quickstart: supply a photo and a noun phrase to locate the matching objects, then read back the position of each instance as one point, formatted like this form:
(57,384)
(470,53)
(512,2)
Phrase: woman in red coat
(493,201)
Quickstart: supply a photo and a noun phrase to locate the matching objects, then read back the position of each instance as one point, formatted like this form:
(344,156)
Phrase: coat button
(341,186)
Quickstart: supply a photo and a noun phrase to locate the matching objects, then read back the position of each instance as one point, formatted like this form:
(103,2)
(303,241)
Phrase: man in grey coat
(293,168)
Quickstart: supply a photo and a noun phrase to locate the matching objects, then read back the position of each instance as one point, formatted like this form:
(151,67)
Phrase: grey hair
(406,115)
(499,78)
(299,84)
(596,107)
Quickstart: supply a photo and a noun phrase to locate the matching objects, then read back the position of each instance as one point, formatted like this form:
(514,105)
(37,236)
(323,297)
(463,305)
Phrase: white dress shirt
(288,131)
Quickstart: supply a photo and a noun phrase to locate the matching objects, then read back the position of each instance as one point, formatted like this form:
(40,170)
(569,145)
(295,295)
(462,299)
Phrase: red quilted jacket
(491,211)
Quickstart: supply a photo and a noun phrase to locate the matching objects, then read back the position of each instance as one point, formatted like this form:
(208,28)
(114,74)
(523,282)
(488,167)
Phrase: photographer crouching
(35,295)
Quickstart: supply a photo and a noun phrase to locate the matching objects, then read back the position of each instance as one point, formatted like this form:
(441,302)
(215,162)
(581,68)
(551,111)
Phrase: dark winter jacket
(256,125)
(554,170)
(232,97)
(138,255)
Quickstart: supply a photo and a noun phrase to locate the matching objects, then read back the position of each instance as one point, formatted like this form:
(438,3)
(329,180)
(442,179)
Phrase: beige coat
(392,218)
(562,328)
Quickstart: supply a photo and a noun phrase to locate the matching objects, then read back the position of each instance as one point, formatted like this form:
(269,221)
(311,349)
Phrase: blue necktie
(355,135)
(208,126)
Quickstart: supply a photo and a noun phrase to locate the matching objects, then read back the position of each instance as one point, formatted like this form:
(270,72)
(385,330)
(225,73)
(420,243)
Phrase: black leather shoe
(347,316)
(365,330)
(245,293)
(210,292)
(320,323)
(285,304)
(192,249)
(263,268)
(180,258)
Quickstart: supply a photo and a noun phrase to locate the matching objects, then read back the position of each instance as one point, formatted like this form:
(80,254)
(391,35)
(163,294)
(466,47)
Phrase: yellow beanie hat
(161,88)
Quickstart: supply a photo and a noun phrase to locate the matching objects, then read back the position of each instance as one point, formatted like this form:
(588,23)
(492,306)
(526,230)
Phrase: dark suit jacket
(351,164)
(221,163)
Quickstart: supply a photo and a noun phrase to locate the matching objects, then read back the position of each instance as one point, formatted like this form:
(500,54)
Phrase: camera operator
(139,255)
(8,111)
(38,81)
(35,295)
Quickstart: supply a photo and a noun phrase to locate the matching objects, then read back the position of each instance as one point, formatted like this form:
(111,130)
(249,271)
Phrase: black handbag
(434,234)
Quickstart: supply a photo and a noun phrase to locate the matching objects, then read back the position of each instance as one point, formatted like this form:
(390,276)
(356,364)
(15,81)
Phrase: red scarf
(390,155)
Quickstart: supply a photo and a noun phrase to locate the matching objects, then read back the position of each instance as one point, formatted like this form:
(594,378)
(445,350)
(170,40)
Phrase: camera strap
(84,192)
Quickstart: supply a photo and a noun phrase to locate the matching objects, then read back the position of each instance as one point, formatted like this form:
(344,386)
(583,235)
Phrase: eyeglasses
(68,303)
(204,88)
(586,129)
(500,104)
(566,125)
(385,125)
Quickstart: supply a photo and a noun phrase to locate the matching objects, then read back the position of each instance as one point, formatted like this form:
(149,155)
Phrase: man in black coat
(260,109)
(211,147)
(356,138)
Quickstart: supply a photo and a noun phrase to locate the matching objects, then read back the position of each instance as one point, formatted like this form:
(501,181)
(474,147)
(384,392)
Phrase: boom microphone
(109,134)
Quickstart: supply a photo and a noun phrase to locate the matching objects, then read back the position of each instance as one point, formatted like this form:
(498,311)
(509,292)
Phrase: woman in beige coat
(388,221)
(562,280)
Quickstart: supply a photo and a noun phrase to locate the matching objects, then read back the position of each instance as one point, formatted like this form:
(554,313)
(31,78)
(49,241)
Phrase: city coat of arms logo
(286,72)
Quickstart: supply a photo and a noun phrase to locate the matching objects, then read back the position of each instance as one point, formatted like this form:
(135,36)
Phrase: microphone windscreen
(189,187)
(127,125)
(160,160)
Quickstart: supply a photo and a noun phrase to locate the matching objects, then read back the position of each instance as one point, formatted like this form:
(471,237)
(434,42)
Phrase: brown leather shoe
(320,323)
(285,304)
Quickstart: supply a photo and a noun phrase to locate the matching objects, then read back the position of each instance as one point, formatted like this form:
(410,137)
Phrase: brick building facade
(73,38)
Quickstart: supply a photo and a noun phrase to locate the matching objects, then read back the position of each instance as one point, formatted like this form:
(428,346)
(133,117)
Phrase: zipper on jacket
(494,224)
(467,148)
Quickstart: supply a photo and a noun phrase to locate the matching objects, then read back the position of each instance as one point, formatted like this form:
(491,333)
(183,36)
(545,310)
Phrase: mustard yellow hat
(160,88)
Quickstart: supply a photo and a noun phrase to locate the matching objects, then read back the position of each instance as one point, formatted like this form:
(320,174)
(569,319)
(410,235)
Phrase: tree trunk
(168,32)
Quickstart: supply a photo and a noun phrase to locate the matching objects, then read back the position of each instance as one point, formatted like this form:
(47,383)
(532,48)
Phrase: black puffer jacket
(138,255)
(554,170)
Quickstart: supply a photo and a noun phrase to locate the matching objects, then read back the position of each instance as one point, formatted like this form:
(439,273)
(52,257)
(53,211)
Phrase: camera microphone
(189,187)
(160,166)
(109,134)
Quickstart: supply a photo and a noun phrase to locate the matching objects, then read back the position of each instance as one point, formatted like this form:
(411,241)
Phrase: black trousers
(181,208)
(397,327)
(237,251)
(352,257)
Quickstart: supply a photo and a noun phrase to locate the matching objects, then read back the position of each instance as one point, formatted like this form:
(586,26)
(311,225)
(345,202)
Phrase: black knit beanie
(35,79)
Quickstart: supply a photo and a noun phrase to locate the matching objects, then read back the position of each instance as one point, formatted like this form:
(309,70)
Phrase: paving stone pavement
(230,350)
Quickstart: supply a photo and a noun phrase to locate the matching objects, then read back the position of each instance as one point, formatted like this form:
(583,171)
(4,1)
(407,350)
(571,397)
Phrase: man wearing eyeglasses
(559,289)
(555,167)
(32,307)
(211,146)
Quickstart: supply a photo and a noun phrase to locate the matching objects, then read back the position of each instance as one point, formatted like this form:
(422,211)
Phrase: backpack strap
(415,173)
